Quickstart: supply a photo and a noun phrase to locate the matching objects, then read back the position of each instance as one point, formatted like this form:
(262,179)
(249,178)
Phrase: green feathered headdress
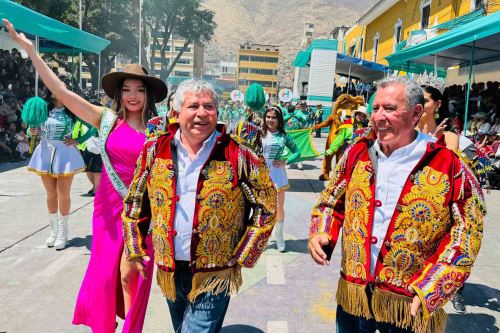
(369,108)
(35,112)
(255,97)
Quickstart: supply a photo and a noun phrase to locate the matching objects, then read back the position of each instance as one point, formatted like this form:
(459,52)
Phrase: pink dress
(101,297)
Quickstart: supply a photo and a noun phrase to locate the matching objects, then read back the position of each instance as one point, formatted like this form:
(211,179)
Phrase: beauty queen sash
(108,120)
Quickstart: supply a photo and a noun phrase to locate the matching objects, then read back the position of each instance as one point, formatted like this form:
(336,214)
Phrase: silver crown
(429,79)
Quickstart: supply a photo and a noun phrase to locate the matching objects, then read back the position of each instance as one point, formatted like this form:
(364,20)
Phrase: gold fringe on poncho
(228,280)
(387,307)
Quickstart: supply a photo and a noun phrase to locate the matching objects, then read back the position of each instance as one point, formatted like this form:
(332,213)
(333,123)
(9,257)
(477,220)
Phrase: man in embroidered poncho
(411,216)
(212,208)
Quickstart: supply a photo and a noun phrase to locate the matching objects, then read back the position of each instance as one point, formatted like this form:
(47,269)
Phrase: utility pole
(140,32)
(81,57)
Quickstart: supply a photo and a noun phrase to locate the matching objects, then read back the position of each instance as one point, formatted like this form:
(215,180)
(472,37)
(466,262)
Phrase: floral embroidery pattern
(220,215)
(357,216)
(423,219)
(160,192)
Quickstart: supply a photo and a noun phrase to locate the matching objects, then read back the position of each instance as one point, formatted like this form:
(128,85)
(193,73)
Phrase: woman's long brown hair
(149,109)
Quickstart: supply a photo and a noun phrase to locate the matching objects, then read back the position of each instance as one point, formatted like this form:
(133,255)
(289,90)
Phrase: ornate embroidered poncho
(431,243)
(234,214)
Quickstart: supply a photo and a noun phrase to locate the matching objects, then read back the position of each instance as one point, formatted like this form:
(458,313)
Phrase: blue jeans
(347,323)
(207,312)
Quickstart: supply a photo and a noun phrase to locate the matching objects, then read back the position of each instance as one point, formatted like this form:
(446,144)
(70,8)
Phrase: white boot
(54,225)
(278,234)
(62,233)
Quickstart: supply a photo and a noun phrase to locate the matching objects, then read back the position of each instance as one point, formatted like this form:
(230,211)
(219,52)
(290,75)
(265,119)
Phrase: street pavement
(285,292)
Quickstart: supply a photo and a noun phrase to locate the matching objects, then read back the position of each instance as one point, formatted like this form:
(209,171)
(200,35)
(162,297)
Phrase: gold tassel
(394,308)
(353,299)
(167,283)
(228,281)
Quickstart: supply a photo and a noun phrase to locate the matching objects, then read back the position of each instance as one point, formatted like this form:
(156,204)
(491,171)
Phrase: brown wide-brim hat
(134,71)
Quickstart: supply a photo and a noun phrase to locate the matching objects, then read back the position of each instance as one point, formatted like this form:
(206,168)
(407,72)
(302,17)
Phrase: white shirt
(392,173)
(187,181)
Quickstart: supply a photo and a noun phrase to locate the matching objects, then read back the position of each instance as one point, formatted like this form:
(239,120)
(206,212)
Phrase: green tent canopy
(302,59)
(33,23)
(476,42)
(454,47)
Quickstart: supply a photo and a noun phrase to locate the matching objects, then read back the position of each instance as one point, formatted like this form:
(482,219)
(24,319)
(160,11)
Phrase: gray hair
(413,92)
(194,86)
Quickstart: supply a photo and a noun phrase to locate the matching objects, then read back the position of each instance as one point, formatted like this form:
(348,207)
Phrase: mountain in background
(277,22)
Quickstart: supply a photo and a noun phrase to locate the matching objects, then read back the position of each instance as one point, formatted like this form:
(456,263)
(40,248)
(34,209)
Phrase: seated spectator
(483,126)
(22,138)
(495,129)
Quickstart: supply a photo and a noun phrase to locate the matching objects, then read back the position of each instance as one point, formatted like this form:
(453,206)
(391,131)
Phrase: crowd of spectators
(17,84)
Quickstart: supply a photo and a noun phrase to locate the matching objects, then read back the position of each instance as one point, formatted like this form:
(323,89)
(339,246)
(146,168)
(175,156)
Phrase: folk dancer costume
(100,298)
(346,132)
(54,158)
(249,129)
(426,237)
(343,102)
(273,146)
(232,181)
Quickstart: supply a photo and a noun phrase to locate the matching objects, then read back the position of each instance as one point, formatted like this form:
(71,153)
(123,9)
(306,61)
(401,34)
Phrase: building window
(184,61)
(271,84)
(398,28)
(179,49)
(375,46)
(258,59)
(360,53)
(425,11)
(183,74)
(260,71)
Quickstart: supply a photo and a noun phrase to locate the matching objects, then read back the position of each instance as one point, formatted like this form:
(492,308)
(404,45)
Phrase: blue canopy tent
(360,69)
(51,35)
(348,66)
(476,42)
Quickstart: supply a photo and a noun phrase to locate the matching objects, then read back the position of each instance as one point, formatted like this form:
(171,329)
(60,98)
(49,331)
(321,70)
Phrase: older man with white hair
(211,205)
(411,216)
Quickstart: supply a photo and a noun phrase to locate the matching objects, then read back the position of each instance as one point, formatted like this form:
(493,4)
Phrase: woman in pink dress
(112,286)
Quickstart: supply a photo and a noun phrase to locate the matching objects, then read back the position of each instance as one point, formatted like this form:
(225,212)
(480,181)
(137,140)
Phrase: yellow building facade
(258,63)
(388,22)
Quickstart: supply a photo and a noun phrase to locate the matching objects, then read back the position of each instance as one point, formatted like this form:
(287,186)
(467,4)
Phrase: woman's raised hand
(19,38)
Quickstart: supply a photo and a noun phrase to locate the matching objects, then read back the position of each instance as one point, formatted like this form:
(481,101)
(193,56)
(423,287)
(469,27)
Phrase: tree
(184,18)
(115,20)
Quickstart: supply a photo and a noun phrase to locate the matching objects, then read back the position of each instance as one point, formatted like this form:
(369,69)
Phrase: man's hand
(140,265)
(415,304)
(314,245)
(33,131)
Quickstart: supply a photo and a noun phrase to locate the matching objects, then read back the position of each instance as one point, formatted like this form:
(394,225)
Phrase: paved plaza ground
(285,292)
